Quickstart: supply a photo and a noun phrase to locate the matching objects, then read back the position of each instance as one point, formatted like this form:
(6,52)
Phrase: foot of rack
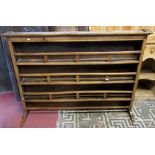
(131,116)
(24,118)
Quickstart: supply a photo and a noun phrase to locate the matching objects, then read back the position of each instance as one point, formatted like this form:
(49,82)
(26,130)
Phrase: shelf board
(70,74)
(72,92)
(76,53)
(147,74)
(145,93)
(78,100)
(76,63)
(75,107)
(74,83)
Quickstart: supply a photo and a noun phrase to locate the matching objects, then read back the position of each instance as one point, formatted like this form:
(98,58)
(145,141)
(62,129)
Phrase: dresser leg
(24,118)
(131,116)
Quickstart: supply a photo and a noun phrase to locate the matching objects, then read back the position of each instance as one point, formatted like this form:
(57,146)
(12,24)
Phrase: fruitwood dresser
(76,70)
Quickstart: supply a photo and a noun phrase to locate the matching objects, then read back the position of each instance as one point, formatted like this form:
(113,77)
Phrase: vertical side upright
(137,73)
(11,48)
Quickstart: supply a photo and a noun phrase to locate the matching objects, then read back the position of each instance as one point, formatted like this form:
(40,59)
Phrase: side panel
(138,72)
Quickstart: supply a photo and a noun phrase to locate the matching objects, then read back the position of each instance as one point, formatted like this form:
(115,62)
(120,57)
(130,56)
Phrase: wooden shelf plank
(75,107)
(83,82)
(77,63)
(68,34)
(74,92)
(67,74)
(76,53)
(78,100)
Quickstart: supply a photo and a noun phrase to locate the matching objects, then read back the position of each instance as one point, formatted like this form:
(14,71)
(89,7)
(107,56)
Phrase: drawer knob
(152,51)
(28,39)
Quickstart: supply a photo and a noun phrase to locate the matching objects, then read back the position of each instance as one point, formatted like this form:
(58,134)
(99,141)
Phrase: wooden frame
(109,89)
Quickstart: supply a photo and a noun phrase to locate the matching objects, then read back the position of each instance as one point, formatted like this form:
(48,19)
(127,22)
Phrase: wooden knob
(105,95)
(107,78)
(152,50)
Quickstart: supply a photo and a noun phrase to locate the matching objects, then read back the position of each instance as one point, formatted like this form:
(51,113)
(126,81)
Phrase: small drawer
(149,52)
(151,38)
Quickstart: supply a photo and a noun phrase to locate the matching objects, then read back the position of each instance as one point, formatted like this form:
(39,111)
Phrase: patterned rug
(144,117)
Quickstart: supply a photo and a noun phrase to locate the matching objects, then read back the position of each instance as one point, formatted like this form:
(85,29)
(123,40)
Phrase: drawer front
(151,39)
(149,52)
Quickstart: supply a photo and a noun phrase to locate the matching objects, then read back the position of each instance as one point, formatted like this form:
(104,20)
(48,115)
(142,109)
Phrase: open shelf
(142,93)
(78,96)
(78,63)
(78,105)
(75,53)
(77,78)
(57,58)
(147,74)
(76,87)
(84,46)
(121,68)
(148,70)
